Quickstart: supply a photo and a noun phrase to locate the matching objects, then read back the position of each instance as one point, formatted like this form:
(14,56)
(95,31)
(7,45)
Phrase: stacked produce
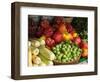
(56,41)
(66,52)
(38,54)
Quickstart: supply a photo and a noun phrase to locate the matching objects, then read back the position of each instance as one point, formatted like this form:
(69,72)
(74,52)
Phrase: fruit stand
(56,40)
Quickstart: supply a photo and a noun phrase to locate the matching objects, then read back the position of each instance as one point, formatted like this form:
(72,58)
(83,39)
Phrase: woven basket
(75,61)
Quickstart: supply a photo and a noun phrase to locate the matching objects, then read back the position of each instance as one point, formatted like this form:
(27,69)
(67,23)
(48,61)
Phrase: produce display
(55,40)
(38,54)
(66,52)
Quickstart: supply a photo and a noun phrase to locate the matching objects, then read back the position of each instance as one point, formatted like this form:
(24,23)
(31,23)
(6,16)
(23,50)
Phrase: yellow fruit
(75,35)
(85,53)
(67,36)
(85,50)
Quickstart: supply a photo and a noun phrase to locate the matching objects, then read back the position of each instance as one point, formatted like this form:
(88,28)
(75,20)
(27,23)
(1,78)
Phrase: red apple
(58,37)
(84,45)
(77,40)
(50,42)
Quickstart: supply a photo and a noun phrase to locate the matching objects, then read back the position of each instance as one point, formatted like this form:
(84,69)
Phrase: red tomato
(58,37)
(50,42)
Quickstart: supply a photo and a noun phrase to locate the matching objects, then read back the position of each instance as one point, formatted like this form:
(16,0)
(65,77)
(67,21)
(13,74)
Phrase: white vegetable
(29,43)
(29,57)
(36,60)
(35,43)
(42,42)
(35,51)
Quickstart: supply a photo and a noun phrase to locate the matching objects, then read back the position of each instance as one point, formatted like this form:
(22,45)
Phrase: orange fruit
(75,35)
(62,28)
(85,53)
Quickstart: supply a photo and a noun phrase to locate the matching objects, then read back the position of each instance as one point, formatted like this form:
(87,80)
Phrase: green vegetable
(55,51)
(59,57)
(63,56)
(53,48)
(66,51)
(64,60)
(35,43)
(83,59)
(58,52)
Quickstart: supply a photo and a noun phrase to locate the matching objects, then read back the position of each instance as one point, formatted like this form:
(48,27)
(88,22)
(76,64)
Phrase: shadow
(9,77)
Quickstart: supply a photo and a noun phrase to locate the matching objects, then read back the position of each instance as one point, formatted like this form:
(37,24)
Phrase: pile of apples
(60,31)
